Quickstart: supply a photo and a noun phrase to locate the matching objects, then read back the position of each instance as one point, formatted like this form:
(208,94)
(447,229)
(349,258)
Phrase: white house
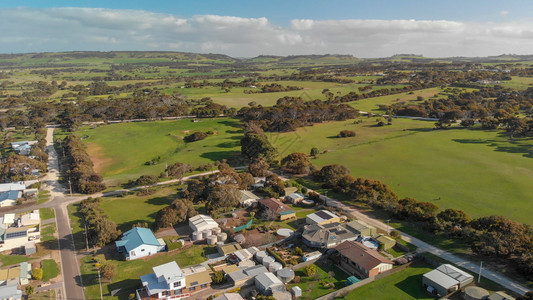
(167,279)
(10,192)
(16,232)
(200,223)
(139,242)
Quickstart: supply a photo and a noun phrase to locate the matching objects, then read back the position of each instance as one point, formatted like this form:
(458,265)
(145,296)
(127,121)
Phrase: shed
(312,255)
(228,248)
(322,217)
(268,283)
(445,279)
(229,296)
(202,222)
(386,241)
(297,291)
(30,248)
(361,228)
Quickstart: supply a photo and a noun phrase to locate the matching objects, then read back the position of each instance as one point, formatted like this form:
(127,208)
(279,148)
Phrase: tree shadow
(219,155)
(231,123)
(229,144)
(162,200)
(513,146)
(123,288)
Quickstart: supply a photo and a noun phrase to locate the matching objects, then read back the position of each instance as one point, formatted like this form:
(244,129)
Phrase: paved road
(425,247)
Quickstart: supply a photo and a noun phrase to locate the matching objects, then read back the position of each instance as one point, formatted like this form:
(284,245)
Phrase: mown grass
(480,172)
(8,260)
(46,213)
(120,151)
(50,269)
(404,285)
(139,208)
(312,286)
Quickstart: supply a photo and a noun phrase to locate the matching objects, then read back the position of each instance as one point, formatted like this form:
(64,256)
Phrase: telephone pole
(480,268)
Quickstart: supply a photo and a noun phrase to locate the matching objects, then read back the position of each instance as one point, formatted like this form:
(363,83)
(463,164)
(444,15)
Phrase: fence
(245,226)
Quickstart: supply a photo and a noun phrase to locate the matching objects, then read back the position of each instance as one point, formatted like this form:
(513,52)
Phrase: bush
(217,277)
(293,261)
(310,270)
(37,274)
(108,271)
(30,289)
(298,251)
(195,136)
(395,234)
(277,257)
(346,133)
(297,279)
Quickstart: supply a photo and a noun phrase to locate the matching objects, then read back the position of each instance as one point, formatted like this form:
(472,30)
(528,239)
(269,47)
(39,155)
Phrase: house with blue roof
(9,198)
(139,242)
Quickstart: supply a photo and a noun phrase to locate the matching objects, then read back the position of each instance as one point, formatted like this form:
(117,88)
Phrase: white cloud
(63,29)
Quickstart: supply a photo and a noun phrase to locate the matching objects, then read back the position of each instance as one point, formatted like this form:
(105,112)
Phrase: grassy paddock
(480,172)
(120,151)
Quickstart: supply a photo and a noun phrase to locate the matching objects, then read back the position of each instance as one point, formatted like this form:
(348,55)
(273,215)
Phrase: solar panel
(16,234)
(323,215)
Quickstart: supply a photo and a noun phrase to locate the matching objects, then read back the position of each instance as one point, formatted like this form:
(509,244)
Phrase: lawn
(46,213)
(43,196)
(480,172)
(313,288)
(50,269)
(128,272)
(50,294)
(404,285)
(140,208)
(8,260)
(120,151)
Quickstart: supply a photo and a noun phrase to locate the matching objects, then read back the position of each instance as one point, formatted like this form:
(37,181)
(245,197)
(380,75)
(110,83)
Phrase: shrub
(395,234)
(277,257)
(37,274)
(217,277)
(346,133)
(298,251)
(297,279)
(30,289)
(108,271)
(310,270)
(195,136)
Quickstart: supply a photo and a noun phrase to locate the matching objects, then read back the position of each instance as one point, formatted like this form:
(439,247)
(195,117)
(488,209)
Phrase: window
(142,250)
(203,286)
(192,288)
(166,293)
(177,284)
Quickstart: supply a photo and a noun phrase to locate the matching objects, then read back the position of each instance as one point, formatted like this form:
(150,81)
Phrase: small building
(280,210)
(23,147)
(10,292)
(200,223)
(311,255)
(139,242)
(445,279)
(248,198)
(500,296)
(246,276)
(227,249)
(361,261)
(327,235)
(361,228)
(297,291)
(229,296)
(9,198)
(25,273)
(294,198)
(267,283)
(384,241)
(322,217)
(17,232)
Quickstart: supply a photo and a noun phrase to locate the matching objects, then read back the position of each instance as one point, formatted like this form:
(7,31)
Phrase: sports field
(120,151)
(481,172)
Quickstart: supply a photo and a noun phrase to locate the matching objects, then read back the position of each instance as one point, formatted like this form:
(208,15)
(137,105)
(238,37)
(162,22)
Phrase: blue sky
(249,28)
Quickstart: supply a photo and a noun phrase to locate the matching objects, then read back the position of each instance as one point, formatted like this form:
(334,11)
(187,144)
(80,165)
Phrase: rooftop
(136,237)
(170,272)
(198,278)
(268,279)
(321,216)
(13,186)
(361,255)
(454,272)
(359,225)
(275,205)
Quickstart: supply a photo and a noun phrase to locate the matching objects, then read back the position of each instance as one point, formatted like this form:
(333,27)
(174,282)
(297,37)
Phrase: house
(16,232)
(247,198)
(500,296)
(229,248)
(363,262)
(9,198)
(294,198)
(139,242)
(280,210)
(267,283)
(327,235)
(361,228)
(445,279)
(322,217)
(229,296)
(384,241)
(200,223)
(10,292)
(13,186)
(169,281)
(23,147)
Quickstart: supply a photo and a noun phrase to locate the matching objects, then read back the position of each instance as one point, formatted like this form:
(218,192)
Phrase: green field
(404,285)
(481,172)
(140,208)
(50,269)
(120,151)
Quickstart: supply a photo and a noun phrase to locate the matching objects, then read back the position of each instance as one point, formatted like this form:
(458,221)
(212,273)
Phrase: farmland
(120,151)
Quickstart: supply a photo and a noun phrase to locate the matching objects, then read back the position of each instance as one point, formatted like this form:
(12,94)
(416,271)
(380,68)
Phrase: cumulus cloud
(64,29)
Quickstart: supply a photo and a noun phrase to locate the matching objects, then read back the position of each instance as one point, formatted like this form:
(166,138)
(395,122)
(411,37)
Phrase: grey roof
(441,279)
(268,279)
(10,195)
(170,271)
(256,270)
(454,272)
(229,296)
(10,291)
(359,225)
(238,275)
(333,233)
(154,286)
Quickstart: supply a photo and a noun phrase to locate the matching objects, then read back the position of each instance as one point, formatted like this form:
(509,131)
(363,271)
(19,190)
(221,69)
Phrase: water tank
(286,275)
(206,233)
(222,236)
(212,239)
(475,293)
(216,230)
(220,243)
(259,255)
(274,267)
(196,236)
(267,260)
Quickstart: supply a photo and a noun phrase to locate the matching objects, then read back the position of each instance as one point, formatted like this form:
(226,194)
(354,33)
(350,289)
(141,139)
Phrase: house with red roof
(363,262)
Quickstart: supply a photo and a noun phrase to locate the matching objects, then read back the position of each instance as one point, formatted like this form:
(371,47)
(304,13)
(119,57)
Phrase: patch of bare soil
(100,162)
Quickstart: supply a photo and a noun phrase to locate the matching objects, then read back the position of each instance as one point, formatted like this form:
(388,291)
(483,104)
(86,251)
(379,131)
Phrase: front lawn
(50,269)
(46,213)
